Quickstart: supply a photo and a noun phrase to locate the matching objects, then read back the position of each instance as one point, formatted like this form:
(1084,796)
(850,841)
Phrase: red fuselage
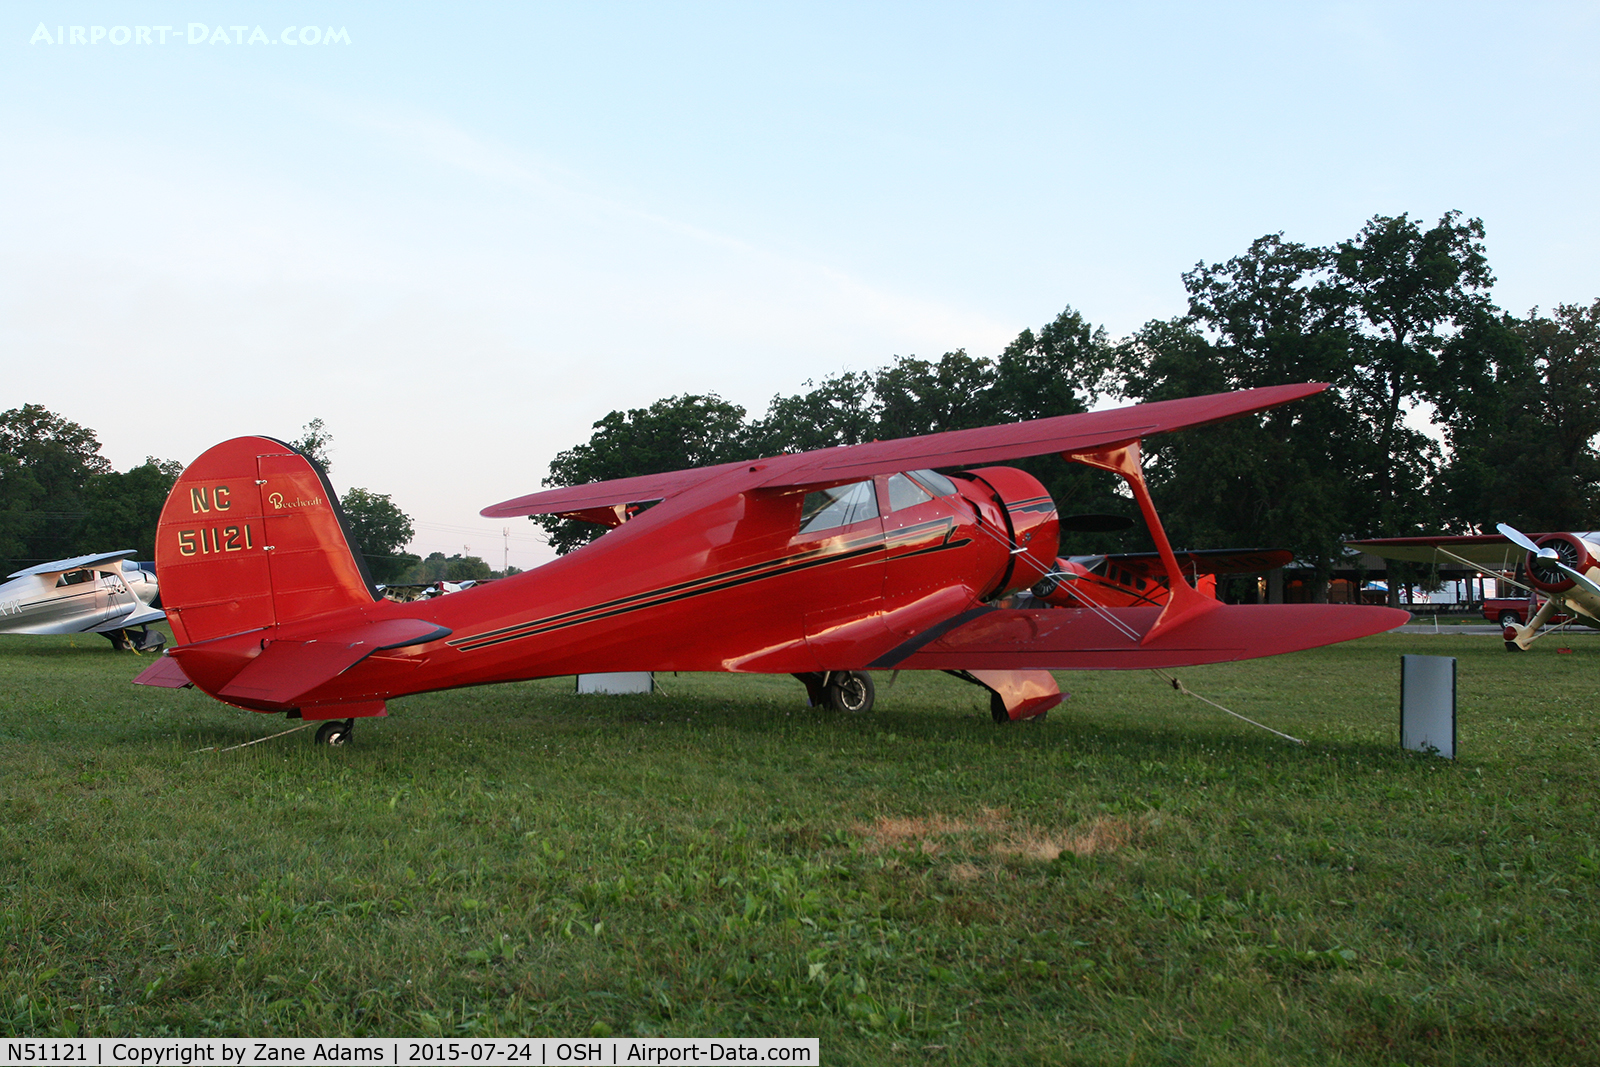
(708,581)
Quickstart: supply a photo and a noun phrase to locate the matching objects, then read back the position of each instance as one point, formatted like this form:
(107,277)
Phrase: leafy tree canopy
(316,442)
(60,497)
(1394,319)
(1524,445)
(380,530)
(438,567)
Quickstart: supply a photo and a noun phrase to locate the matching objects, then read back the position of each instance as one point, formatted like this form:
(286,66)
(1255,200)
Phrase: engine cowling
(1574,551)
(1030,525)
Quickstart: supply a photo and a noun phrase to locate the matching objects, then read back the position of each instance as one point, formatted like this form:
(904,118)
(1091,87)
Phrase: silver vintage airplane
(105,593)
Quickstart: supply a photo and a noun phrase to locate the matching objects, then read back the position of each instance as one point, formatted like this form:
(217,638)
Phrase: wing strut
(1184,601)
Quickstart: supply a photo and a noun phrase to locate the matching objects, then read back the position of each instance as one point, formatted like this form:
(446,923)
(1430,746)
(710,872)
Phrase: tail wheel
(851,691)
(336,732)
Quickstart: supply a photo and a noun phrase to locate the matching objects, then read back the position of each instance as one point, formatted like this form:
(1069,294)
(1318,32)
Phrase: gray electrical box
(623,682)
(1428,704)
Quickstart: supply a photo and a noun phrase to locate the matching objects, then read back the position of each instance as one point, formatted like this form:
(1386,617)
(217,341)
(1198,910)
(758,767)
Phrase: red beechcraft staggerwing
(826,565)
(1127,579)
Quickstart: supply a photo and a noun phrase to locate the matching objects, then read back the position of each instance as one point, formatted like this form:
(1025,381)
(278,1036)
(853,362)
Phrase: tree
(1266,480)
(1054,372)
(20,492)
(915,396)
(1524,447)
(125,508)
(1058,371)
(441,568)
(671,434)
(1405,294)
(840,411)
(1258,319)
(1388,318)
(315,443)
(49,462)
(380,530)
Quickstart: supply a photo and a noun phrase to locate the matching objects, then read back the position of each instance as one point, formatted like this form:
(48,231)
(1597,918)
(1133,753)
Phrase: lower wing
(1082,639)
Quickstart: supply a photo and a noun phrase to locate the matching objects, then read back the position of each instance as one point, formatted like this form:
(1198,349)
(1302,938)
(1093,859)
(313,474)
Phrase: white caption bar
(403,1052)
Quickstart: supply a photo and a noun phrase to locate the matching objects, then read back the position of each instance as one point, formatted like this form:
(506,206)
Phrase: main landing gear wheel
(336,732)
(851,691)
(1510,635)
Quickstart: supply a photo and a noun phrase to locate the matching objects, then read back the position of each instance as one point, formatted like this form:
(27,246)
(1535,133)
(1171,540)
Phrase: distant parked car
(1513,611)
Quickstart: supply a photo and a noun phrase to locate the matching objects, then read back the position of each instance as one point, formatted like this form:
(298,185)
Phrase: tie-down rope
(1180,687)
(257,741)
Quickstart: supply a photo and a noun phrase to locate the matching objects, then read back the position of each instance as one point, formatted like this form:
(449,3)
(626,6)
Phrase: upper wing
(1038,437)
(953,448)
(1490,551)
(56,566)
(604,494)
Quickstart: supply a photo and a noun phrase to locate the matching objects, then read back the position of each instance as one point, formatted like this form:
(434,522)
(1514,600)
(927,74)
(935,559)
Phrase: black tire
(1510,618)
(851,691)
(336,732)
(1512,646)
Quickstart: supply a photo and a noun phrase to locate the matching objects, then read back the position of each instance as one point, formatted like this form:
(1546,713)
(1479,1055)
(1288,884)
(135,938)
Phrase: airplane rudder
(251,536)
(315,566)
(211,543)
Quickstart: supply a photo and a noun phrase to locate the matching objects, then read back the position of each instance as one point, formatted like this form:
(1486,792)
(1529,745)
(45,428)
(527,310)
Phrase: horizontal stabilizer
(1082,639)
(289,668)
(166,673)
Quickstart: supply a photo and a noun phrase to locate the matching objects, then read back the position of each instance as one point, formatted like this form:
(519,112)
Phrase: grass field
(1138,879)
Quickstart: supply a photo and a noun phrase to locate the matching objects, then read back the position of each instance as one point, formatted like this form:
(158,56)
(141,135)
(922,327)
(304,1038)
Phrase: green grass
(1138,879)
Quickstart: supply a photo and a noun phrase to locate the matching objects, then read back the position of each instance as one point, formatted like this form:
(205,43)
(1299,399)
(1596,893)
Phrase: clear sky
(460,234)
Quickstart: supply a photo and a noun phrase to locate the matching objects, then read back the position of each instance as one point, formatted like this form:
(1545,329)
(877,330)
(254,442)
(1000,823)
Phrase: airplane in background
(405,592)
(826,565)
(1127,579)
(1564,567)
(105,593)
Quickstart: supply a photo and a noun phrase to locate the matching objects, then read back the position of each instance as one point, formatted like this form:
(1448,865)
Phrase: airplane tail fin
(252,536)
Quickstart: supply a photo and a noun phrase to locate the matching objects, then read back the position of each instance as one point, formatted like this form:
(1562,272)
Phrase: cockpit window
(838,506)
(937,483)
(74,578)
(905,493)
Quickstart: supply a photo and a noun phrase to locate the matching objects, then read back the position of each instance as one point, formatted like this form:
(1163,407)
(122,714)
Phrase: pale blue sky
(474,229)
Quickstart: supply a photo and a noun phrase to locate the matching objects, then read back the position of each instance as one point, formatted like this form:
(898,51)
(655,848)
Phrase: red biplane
(1129,579)
(826,565)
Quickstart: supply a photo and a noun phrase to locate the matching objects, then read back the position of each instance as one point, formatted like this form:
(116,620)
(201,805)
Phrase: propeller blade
(1582,581)
(1094,523)
(1521,540)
